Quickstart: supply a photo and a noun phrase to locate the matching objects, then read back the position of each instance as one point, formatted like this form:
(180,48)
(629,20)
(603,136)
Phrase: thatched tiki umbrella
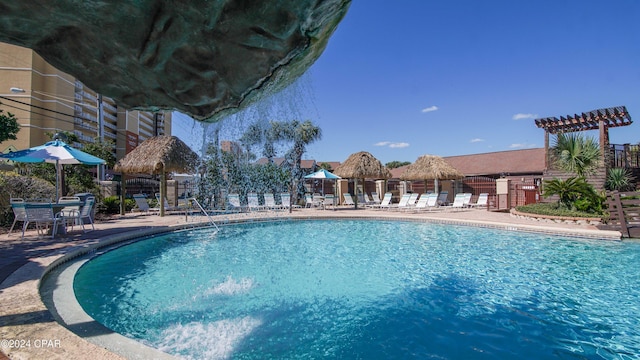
(431,167)
(157,155)
(362,165)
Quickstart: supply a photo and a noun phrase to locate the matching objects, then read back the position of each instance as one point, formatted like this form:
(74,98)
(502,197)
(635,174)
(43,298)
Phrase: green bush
(555,209)
(13,185)
(111,205)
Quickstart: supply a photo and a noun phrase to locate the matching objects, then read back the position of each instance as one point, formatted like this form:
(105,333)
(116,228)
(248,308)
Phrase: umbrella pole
(58,175)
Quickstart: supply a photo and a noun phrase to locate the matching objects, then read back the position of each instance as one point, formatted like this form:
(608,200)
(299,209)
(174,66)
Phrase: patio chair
(42,215)
(329,200)
(348,200)
(308,200)
(85,214)
(19,213)
(142,204)
(481,201)
(69,212)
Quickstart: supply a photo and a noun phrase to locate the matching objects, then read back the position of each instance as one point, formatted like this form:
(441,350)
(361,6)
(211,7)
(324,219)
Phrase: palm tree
(302,134)
(576,154)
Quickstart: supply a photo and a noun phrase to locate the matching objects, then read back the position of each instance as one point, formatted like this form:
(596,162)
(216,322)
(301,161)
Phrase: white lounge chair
(286,201)
(270,202)
(467,199)
(385,203)
(413,199)
(234,201)
(348,200)
(404,200)
(458,202)
(481,201)
(167,207)
(427,202)
(253,203)
(142,204)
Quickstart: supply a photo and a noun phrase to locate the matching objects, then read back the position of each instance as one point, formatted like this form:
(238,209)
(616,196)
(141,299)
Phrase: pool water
(363,289)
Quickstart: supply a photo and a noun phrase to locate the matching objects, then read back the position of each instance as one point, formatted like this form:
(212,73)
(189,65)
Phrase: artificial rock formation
(203,58)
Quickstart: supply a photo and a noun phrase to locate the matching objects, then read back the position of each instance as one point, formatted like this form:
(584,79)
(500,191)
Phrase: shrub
(619,179)
(19,186)
(554,209)
(111,205)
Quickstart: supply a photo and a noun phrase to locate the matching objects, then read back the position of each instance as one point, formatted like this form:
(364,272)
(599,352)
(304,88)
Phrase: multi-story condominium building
(46,100)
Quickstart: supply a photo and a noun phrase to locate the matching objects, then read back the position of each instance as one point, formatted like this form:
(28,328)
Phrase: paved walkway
(29,331)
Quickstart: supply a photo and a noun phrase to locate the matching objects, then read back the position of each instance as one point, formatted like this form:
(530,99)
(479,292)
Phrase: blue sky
(411,77)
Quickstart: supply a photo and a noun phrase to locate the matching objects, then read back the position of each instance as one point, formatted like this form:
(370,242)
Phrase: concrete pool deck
(28,330)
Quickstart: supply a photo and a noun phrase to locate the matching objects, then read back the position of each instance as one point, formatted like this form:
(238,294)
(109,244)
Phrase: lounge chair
(375,198)
(385,203)
(142,204)
(308,200)
(348,200)
(481,201)
(270,202)
(234,202)
(253,203)
(404,200)
(285,198)
(167,207)
(458,202)
(443,198)
(467,199)
(424,201)
(413,199)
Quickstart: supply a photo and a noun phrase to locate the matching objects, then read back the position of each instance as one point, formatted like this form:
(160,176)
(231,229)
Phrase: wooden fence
(624,212)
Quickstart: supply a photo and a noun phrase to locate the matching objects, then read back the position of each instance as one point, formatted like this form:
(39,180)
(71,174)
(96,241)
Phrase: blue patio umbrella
(54,152)
(323,174)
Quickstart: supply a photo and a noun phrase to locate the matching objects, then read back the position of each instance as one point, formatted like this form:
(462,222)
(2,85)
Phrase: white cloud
(399,145)
(520,116)
(476,140)
(429,109)
(393,145)
(522,146)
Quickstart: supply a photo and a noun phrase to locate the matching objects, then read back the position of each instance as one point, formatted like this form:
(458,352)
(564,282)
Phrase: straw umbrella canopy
(431,167)
(362,165)
(158,155)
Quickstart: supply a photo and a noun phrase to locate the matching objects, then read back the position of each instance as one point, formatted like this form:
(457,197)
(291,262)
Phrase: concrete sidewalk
(24,317)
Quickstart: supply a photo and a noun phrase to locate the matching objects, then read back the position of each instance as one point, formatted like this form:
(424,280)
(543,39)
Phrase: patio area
(24,317)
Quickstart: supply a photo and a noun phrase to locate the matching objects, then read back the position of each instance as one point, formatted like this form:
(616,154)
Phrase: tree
(9,126)
(576,154)
(326,166)
(396,164)
(301,134)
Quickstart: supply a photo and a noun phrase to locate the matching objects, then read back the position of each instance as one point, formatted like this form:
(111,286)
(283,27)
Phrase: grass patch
(554,209)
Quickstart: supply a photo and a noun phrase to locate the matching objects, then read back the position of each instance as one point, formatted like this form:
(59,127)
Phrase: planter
(557,219)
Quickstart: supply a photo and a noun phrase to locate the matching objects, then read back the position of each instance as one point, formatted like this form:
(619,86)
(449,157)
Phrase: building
(46,101)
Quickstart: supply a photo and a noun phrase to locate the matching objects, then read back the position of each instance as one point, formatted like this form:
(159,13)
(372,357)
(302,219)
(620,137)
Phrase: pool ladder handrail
(195,201)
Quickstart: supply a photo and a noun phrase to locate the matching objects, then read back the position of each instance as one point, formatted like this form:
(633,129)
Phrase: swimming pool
(369,289)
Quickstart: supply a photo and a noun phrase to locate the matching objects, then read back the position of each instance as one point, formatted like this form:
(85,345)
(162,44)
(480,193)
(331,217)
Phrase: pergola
(601,119)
